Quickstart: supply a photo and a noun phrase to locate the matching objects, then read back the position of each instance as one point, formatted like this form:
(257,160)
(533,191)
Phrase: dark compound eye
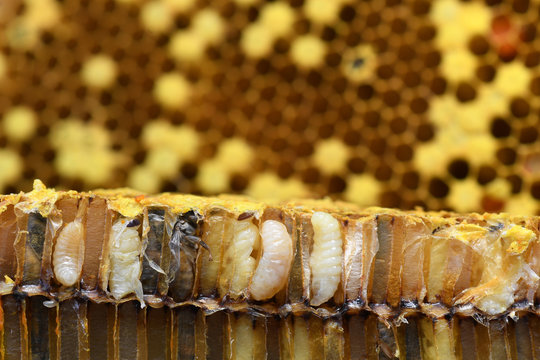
(133,222)
(245,215)
(191,217)
(497,227)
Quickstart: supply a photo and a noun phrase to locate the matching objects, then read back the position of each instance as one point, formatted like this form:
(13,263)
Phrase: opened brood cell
(125,258)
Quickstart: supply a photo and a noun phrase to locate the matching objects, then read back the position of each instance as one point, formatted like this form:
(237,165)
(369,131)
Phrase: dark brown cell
(500,128)
(486,174)
(391,199)
(438,85)
(465,92)
(347,13)
(485,73)
(507,156)
(528,135)
(410,180)
(398,125)
(352,138)
(419,105)
(459,168)
(535,190)
(336,184)
(516,182)
(424,132)
(311,175)
(532,59)
(479,45)
(421,7)
(383,172)
(399,26)
(438,188)
(519,107)
(356,165)
(365,92)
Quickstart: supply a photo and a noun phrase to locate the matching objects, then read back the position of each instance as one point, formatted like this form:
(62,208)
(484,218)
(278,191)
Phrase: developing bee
(325,261)
(68,254)
(184,246)
(125,254)
(238,261)
(184,235)
(273,269)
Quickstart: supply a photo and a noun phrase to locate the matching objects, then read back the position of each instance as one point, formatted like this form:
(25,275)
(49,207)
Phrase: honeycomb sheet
(394,103)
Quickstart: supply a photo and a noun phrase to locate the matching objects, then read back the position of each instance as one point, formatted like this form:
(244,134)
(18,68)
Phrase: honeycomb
(393,103)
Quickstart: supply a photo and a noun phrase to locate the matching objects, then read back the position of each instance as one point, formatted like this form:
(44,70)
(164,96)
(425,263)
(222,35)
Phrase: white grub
(125,262)
(273,269)
(325,261)
(69,253)
(240,263)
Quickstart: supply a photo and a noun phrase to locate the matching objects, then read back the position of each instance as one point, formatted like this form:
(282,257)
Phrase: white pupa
(238,256)
(69,253)
(125,263)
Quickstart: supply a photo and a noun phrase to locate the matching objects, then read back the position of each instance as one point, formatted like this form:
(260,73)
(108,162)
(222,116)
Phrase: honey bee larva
(275,262)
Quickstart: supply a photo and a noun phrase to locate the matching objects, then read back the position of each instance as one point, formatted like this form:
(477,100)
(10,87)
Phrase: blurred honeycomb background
(399,103)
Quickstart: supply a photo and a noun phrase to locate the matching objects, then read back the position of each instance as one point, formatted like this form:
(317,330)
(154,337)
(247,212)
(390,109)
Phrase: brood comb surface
(392,103)
(174,276)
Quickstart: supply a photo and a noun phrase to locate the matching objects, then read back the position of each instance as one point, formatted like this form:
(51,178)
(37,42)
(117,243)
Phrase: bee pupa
(69,253)
(125,262)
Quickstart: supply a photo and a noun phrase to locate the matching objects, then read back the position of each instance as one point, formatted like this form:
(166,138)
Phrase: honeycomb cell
(322,11)
(465,195)
(186,45)
(356,165)
(486,174)
(156,16)
(528,135)
(519,107)
(438,188)
(512,79)
(500,128)
(11,165)
(143,179)
(459,169)
(308,51)
(532,59)
(209,25)
(438,85)
(277,17)
(212,178)
(19,123)
(172,90)
(506,156)
(235,155)
(99,71)
(479,45)
(465,92)
(362,189)
(424,132)
(257,40)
